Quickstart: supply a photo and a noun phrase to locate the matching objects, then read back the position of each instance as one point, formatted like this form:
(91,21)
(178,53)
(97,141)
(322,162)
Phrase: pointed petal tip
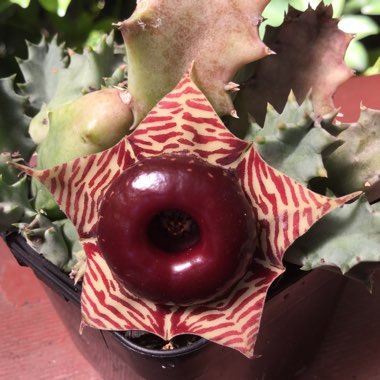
(349,197)
(17,165)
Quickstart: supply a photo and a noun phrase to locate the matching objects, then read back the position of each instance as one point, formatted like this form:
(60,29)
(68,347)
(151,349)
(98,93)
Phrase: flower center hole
(173,230)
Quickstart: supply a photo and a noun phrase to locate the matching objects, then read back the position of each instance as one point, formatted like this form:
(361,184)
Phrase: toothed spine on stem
(159,50)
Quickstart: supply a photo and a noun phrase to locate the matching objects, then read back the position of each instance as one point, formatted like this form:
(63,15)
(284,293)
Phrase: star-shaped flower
(185,123)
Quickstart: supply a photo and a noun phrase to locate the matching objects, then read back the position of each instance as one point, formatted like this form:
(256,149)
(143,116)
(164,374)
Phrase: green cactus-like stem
(355,165)
(79,268)
(346,237)
(13,121)
(41,70)
(293,142)
(309,56)
(56,241)
(88,125)
(56,76)
(163,38)
(68,124)
(15,205)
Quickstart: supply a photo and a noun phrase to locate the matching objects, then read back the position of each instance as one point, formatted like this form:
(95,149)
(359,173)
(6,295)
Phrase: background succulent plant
(291,161)
(358,17)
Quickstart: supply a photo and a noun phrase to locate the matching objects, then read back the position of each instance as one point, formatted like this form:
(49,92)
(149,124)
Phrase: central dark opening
(173,230)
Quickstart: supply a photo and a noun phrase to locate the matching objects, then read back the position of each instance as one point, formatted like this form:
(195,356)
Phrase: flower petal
(233,321)
(284,208)
(184,121)
(78,185)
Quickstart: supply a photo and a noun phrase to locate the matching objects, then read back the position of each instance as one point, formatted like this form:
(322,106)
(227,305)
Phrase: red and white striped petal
(233,321)
(184,121)
(285,209)
(78,185)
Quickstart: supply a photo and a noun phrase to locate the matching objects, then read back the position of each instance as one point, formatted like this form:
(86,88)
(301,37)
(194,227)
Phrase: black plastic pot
(295,316)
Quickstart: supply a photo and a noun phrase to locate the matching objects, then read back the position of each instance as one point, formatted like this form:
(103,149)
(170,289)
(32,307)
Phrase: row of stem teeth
(229,87)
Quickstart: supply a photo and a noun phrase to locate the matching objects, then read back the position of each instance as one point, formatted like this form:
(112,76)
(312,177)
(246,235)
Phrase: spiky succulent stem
(219,37)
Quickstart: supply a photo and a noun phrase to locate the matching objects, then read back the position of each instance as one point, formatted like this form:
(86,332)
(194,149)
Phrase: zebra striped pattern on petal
(285,209)
(233,321)
(78,185)
(184,121)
